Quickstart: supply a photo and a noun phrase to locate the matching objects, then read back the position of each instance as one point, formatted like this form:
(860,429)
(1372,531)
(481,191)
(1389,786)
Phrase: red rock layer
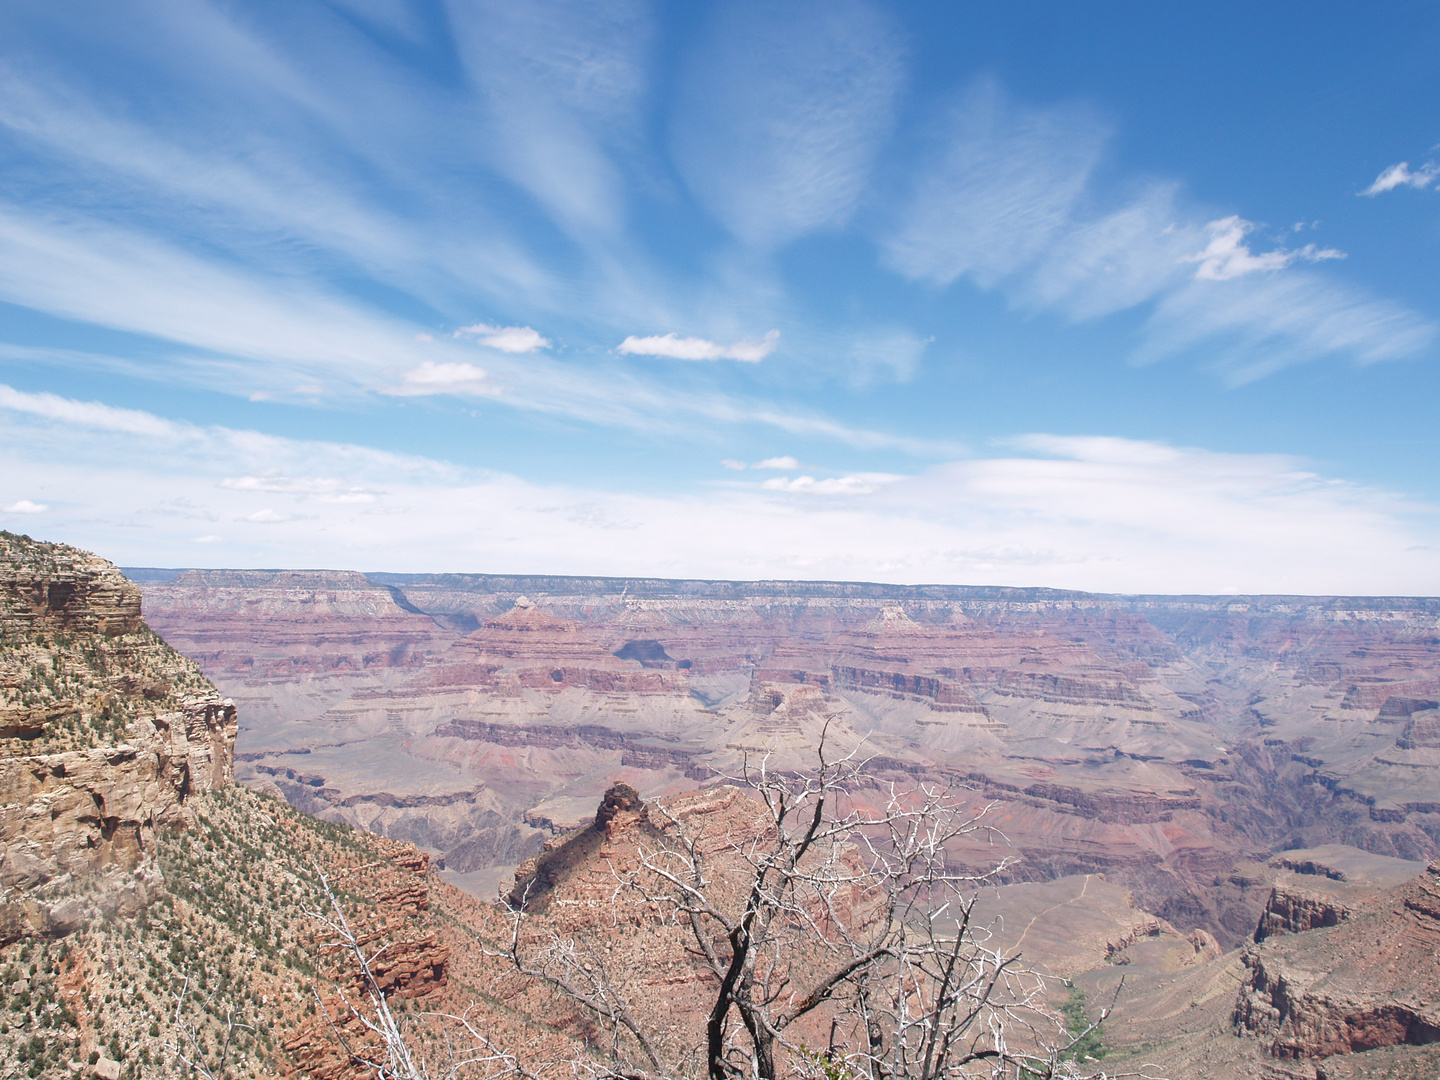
(1371,980)
(528,648)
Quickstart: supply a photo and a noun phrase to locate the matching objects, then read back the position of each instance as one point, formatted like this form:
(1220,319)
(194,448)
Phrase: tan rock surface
(120,732)
(1356,997)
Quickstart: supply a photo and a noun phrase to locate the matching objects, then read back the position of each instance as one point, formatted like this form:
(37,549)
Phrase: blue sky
(1096,296)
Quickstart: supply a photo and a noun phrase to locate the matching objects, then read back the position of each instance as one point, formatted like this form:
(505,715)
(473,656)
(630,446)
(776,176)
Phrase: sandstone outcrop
(1295,907)
(105,733)
(77,829)
(1421,731)
(49,588)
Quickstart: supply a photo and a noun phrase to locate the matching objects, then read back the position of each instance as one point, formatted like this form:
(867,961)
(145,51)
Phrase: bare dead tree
(838,913)
(447,1047)
(581,974)
(189,1049)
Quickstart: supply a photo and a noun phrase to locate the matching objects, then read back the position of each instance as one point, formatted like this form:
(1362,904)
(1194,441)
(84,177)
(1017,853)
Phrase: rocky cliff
(1341,982)
(107,733)
(145,901)
(1367,979)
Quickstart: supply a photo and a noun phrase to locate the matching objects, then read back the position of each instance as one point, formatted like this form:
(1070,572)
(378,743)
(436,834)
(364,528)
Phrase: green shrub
(1091,1045)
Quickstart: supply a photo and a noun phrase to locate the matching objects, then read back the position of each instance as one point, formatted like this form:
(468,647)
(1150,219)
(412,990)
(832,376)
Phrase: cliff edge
(105,732)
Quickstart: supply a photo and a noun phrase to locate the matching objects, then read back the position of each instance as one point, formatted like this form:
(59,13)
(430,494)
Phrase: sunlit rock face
(1165,741)
(1366,980)
(105,734)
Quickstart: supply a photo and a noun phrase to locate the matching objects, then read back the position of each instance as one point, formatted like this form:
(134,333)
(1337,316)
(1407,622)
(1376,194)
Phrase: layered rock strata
(1369,980)
(1158,740)
(107,733)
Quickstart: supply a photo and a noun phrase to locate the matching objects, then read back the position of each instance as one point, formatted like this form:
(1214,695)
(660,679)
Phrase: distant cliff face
(105,733)
(1161,740)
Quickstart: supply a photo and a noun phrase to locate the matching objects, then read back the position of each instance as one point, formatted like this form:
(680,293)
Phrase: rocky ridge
(1340,981)
(1368,979)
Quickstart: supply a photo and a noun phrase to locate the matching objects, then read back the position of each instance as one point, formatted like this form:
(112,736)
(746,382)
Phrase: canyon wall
(1167,742)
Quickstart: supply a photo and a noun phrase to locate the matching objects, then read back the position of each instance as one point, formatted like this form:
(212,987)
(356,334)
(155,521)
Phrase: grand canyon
(1170,743)
(1215,813)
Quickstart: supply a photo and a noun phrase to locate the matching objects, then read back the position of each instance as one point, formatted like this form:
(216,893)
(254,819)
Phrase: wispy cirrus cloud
(327,489)
(674,347)
(240,194)
(1252,327)
(1001,183)
(1009,201)
(89,414)
(123,279)
(1118,260)
(1402,175)
(782,114)
(561,86)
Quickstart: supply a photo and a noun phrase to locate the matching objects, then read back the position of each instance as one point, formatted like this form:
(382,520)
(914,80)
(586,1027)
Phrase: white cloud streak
(862,484)
(126,281)
(783,112)
(325,489)
(694,348)
(506,339)
(1227,256)
(90,414)
(241,194)
(1116,261)
(444,378)
(1401,176)
(562,83)
(1254,326)
(1008,203)
(1002,185)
